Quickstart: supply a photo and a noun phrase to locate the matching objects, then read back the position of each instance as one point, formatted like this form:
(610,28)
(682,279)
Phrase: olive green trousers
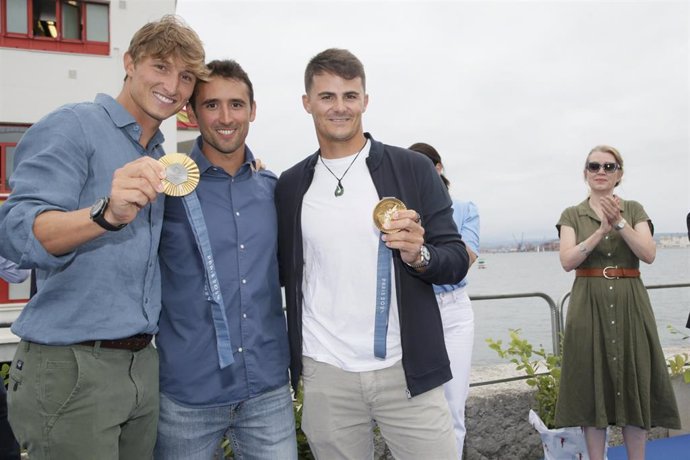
(84,402)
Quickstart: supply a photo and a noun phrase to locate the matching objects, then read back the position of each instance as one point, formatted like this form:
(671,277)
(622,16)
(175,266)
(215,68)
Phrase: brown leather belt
(609,273)
(134,343)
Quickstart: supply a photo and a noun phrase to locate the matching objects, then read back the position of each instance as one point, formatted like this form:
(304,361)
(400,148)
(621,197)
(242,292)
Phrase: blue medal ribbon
(212,290)
(383,299)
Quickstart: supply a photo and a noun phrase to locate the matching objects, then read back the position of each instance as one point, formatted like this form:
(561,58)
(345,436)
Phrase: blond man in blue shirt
(83,213)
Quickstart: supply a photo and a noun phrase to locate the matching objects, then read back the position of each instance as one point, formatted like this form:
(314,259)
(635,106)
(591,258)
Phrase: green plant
(679,363)
(5,373)
(532,361)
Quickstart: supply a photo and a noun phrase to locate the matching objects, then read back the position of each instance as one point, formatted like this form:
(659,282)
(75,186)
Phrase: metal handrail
(556,322)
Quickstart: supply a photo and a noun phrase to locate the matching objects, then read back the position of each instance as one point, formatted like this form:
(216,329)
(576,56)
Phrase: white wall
(32,83)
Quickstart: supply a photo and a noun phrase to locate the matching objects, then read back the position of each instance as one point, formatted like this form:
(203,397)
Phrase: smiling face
(156,89)
(223,110)
(336,105)
(601,181)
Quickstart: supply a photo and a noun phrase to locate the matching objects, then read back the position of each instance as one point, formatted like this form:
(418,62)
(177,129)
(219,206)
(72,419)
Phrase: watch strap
(99,218)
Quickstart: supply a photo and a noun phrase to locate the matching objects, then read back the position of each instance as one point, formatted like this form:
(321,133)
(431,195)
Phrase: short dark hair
(433,155)
(229,69)
(335,61)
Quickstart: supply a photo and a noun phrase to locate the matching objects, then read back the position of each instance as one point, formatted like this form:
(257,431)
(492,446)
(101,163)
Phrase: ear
(439,168)
(306,104)
(128,64)
(191,114)
(366,102)
(252,115)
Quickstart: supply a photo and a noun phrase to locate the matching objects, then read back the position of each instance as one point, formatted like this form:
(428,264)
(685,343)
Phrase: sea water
(526,272)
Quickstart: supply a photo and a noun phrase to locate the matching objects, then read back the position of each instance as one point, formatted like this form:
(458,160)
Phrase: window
(70,26)
(9,136)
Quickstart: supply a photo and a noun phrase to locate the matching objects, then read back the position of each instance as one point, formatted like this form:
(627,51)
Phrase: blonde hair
(169,37)
(606,149)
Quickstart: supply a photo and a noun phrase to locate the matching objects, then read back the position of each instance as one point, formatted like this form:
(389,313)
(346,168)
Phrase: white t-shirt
(340,244)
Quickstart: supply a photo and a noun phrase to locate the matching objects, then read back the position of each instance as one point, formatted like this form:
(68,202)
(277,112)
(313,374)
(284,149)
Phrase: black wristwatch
(97,215)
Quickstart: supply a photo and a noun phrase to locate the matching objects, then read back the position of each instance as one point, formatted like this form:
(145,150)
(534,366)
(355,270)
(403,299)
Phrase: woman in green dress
(614,371)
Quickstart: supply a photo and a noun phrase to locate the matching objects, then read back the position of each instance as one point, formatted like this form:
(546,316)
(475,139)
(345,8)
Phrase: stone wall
(496,417)
(497,425)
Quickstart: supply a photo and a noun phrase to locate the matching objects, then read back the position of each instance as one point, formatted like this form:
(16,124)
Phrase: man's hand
(410,237)
(135,185)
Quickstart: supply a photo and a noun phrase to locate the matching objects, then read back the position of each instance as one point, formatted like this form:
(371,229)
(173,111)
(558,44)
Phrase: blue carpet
(675,448)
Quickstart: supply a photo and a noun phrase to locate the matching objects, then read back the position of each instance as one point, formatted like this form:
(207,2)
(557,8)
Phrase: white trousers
(458,331)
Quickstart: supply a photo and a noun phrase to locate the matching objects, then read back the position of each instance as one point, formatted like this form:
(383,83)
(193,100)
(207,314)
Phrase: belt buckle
(603,272)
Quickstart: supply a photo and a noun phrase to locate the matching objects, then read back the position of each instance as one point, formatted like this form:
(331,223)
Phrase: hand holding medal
(401,227)
(383,213)
(181,174)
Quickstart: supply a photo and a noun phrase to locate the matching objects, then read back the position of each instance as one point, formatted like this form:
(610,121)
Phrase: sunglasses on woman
(609,168)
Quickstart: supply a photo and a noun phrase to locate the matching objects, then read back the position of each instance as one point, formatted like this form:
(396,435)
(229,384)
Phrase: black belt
(134,343)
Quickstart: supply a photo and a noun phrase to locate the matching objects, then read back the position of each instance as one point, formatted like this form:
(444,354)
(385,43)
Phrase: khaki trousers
(78,402)
(340,409)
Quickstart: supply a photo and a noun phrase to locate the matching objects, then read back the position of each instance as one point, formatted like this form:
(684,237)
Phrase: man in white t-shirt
(365,330)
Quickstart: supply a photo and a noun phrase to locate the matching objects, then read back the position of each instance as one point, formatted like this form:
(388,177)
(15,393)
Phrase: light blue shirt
(109,287)
(240,215)
(10,273)
(466,217)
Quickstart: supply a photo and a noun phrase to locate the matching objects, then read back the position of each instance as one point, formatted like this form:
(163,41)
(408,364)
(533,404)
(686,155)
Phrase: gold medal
(181,174)
(383,212)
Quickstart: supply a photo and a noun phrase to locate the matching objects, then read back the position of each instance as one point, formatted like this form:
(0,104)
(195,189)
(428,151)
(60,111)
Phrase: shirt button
(614,358)
(244,281)
(618,393)
(609,254)
(606,237)
(244,315)
(613,341)
(237,213)
(611,306)
(241,246)
(240,349)
(613,322)
(610,288)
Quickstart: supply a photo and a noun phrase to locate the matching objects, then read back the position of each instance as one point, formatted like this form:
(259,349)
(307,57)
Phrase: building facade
(54,52)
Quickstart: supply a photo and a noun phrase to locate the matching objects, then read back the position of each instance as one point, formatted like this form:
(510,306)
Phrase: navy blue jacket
(411,177)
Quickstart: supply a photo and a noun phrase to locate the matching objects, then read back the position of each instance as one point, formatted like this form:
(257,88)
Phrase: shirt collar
(202,162)
(123,119)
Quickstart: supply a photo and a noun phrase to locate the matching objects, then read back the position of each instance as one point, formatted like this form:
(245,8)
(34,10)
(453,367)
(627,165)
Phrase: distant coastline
(519,244)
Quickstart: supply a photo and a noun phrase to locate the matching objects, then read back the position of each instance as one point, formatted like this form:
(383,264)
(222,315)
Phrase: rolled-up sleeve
(466,216)
(50,172)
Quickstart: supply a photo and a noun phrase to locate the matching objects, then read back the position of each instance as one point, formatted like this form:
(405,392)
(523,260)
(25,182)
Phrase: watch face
(98,206)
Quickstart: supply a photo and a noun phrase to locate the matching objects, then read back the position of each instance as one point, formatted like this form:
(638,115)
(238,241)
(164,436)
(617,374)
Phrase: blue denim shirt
(466,217)
(109,287)
(240,215)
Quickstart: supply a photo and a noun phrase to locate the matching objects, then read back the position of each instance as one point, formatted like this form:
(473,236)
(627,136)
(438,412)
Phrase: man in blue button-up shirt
(201,400)
(84,380)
